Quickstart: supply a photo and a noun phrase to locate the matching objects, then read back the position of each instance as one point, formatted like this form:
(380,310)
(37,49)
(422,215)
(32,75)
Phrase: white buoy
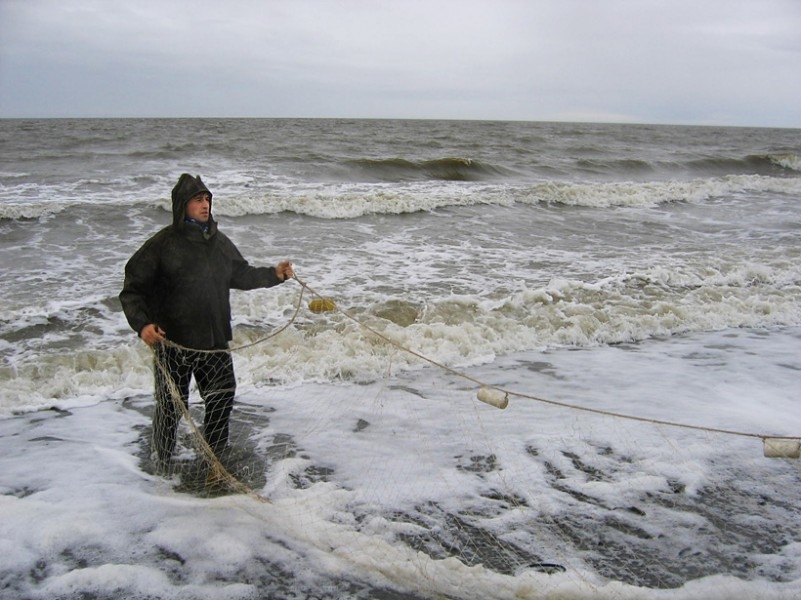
(493,397)
(782,448)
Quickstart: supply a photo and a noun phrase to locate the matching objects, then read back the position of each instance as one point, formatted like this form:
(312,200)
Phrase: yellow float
(319,305)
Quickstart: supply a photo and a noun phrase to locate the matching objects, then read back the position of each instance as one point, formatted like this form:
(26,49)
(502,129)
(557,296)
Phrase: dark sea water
(650,271)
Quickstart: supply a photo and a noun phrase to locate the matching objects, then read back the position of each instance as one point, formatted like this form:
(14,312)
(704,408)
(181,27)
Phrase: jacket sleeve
(247,277)
(139,287)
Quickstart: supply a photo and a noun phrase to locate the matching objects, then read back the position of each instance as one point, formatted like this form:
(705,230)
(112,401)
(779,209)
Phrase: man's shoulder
(163,232)
(158,238)
(221,238)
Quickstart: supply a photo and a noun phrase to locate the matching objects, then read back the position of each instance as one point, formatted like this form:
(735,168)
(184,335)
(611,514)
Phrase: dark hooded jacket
(180,279)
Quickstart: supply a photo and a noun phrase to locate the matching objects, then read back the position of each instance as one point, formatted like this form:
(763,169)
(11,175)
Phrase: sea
(628,297)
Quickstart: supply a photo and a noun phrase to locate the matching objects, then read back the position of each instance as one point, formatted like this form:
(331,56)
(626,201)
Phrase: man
(177,289)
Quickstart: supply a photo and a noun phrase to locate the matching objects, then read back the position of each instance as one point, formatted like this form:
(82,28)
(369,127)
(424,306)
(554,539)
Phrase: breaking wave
(353,200)
(40,369)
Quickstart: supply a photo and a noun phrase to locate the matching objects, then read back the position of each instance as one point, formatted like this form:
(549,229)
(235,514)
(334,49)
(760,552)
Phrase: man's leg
(216,382)
(172,375)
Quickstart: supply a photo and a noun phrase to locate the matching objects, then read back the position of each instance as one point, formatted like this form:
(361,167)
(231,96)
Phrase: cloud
(721,61)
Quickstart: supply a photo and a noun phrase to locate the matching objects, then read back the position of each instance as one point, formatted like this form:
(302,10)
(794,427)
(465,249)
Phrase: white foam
(464,329)
(80,513)
(350,201)
(787,160)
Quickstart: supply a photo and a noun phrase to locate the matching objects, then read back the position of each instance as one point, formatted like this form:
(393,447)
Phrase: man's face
(198,207)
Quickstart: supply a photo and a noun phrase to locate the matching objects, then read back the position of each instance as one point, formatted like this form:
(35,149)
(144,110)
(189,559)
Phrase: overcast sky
(715,62)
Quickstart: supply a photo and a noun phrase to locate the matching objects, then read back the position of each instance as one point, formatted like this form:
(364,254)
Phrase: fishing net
(457,508)
(207,440)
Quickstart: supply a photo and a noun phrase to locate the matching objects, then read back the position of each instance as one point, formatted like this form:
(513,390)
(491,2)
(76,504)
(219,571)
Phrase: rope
(567,405)
(457,373)
(251,344)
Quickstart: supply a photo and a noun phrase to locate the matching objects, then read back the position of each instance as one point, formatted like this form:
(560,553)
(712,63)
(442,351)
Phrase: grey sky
(728,62)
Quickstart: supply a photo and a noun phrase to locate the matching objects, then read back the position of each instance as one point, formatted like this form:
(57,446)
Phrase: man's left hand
(284,270)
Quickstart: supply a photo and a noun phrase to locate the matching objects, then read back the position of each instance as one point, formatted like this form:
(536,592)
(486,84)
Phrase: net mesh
(213,373)
(563,506)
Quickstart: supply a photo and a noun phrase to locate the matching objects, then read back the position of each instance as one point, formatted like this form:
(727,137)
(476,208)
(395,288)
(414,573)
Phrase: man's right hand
(152,334)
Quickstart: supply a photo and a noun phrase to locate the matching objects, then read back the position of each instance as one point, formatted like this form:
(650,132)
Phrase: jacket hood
(183,191)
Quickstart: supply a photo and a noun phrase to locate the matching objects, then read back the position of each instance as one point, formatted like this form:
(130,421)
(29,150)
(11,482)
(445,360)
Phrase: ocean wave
(772,164)
(626,167)
(789,161)
(752,164)
(440,169)
(30,200)
(651,194)
(463,330)
(14,175)
(351,200)
(87,351)
(354,201)
(29,211)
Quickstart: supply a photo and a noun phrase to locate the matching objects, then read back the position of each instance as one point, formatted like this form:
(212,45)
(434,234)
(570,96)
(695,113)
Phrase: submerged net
(561,511)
